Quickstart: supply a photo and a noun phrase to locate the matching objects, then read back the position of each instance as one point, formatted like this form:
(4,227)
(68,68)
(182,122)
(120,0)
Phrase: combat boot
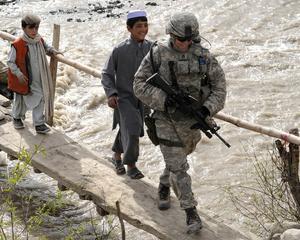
(193,221)
(164,202)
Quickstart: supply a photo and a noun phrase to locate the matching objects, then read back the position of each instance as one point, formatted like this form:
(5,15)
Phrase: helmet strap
(188,31)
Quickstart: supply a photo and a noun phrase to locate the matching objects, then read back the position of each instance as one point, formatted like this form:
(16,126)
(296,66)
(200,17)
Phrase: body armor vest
(186,71)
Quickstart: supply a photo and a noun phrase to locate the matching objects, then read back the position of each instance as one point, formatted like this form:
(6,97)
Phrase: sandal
(135,173)
(120,169)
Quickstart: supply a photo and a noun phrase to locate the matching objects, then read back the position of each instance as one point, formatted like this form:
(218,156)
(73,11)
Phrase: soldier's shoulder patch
(202,60)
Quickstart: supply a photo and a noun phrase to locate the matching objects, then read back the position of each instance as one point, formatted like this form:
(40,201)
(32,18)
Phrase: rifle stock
(186,104)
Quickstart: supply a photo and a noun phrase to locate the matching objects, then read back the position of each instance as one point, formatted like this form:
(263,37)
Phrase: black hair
(130,22)
(24,24)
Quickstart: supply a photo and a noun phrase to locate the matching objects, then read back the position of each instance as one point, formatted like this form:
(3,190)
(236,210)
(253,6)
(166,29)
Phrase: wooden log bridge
(82,171)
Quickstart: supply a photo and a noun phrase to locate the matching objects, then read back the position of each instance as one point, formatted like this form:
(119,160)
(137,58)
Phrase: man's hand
(169,102)
(55,52)
(113,101)
(205,115)
(204,112)
(23,79)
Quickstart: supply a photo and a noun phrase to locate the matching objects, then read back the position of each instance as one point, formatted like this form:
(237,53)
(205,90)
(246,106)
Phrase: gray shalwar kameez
(117,79)
(35,99)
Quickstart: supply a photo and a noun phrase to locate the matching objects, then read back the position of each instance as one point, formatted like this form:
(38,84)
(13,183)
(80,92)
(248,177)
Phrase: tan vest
(190,70)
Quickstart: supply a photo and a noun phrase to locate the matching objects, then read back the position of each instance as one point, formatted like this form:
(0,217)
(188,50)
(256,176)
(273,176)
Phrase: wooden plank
(82,171)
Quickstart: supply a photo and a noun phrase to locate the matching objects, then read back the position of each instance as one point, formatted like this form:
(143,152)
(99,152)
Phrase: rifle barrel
(185,101)
(223,140)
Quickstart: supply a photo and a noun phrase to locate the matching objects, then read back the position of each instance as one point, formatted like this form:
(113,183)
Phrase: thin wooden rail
(272,132)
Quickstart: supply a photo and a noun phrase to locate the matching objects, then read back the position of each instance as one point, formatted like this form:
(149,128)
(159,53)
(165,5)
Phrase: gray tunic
(117,78)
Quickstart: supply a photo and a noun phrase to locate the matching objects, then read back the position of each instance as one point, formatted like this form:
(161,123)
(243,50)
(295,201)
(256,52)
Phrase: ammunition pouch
(151,129)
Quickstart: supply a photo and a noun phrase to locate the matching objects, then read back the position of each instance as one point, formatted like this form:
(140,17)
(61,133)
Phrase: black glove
(204,112)
(169,102)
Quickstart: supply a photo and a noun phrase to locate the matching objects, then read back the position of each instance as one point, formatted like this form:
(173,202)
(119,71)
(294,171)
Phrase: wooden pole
(61,58)
(258,128)
(53,66)
(290,171)
(7,36)
(79,66)
(121,220)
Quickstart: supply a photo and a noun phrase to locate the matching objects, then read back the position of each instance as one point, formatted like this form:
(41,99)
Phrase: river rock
(280,228)
(276,236)
(2,116)
(291,234)
(3,160)
(5,2)
(5,102)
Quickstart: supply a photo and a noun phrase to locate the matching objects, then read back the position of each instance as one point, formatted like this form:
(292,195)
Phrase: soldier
(183,63)
(117,80)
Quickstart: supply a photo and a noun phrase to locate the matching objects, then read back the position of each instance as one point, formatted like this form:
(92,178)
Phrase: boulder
(291,234)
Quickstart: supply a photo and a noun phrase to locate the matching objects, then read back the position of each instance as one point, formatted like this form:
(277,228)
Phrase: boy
(29,75)
(117,79)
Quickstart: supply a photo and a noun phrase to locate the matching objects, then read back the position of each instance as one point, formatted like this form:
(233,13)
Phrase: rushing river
(256,42)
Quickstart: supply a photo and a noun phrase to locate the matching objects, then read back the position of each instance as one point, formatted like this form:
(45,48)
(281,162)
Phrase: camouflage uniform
(198,74)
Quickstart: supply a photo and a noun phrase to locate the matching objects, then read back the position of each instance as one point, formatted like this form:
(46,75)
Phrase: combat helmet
(183,25)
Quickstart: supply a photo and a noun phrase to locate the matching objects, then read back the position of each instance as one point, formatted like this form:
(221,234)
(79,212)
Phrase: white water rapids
(256,42)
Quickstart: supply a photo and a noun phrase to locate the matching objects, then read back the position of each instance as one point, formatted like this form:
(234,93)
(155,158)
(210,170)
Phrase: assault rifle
(187,105)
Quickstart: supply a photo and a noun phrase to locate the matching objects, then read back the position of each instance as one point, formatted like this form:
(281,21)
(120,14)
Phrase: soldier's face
(139,30)
(182,46)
